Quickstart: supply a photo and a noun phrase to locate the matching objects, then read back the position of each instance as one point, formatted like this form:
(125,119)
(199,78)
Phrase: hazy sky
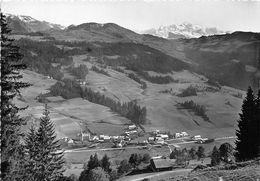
(139,15)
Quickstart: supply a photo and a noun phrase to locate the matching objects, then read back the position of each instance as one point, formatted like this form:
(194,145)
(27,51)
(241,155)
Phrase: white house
(132,127)
(95,138)
(163,136)
(150,138)
(197,137)
(183,134)
(70,141)
(85,136)
(131,132)
(177,135)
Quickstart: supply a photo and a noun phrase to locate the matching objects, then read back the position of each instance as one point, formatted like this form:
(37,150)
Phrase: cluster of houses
(127,138)
(119,140)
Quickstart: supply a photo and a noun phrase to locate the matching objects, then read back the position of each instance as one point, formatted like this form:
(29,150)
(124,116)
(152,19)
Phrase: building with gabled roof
(162,164)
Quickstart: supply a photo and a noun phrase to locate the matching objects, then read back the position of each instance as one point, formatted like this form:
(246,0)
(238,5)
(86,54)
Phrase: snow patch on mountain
(184,30)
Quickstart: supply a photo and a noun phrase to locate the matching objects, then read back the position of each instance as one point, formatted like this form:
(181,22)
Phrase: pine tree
(200,152)
(192,153)
(44,152)
(31,149)
(98,174)
(246,129)
(105,163)
(215,157)
(11,149)
(256,128)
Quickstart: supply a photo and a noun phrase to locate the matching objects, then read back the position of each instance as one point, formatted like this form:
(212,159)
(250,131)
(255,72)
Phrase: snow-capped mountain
(26,24)
(184,30)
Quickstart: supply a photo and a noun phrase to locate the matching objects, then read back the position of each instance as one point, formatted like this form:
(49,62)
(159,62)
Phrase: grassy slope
(250,171)
(162,112)
(68,115)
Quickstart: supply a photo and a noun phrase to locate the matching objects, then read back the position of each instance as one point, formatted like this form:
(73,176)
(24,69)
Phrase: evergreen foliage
(215,156)
(135,159)
(248,132)
(105,163)
(97,174)
(192,153)
(225,151)
(80,72)
(45,160)
(124,167)
(93,164)
(199,110)
(200,152)
(70,89)
(98,70)
(11,65)
(137,79)
(190,91)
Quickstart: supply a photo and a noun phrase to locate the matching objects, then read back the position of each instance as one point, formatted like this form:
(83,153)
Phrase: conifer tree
(192,153)
(215,157)
(256,127)
(247,129)
(105,163)
(200,152)
(93,163)
(11,149)
(31,149)
(44,152)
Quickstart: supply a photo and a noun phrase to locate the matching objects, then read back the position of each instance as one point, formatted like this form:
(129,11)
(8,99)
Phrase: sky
(228,15)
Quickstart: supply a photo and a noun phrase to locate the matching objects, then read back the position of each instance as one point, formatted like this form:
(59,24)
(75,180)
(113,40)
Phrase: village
(132,136)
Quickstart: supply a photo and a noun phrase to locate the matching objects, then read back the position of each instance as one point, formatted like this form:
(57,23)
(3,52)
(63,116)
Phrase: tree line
(199,110)
(69,89)
(101,71)
(100,169)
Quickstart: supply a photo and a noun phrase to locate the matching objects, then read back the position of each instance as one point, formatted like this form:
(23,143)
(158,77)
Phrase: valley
(112,91)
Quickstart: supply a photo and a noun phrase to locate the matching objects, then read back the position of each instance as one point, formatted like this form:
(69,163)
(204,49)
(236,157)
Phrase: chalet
(84,136)
(130,132)
(160,164)
(197,137)
(163,136)
(132,127)
(106,138)
(70,142)
(183,134)
(177,135)
(95,138)
(151,139)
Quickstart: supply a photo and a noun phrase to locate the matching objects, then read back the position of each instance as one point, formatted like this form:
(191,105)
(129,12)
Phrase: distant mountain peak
(183,30)
(26,24)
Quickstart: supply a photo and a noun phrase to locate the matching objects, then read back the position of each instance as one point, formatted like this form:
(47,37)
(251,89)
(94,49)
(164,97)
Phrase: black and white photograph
(130,90)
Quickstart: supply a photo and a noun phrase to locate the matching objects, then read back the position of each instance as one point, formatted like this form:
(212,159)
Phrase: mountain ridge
(183,30)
